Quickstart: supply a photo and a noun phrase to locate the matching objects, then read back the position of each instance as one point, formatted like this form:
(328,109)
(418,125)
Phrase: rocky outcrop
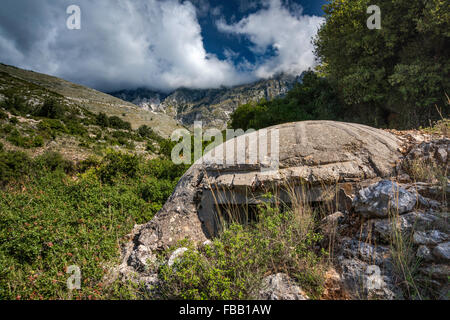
(211,106)
(381,198)
(394,236)
(280,287)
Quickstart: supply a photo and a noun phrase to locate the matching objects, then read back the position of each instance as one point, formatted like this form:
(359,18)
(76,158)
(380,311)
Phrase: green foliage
(393,76)
(15,103)
(234,266)
(156,190)
(3,115)
(25,142)
(53,161)
(53,221)
(51,109)
(164,169)
(102,120)
(313,99)
(114,122)
(52,127)
(75,128)
(147,132)
(118,165)
(13,120)
(117,123)
(165,147)
(13,165)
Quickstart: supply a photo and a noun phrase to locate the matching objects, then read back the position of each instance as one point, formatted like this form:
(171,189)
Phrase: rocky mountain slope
(92,100)
(212,106)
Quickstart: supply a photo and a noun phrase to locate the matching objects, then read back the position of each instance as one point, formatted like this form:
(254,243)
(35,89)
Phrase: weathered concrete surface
(314,152)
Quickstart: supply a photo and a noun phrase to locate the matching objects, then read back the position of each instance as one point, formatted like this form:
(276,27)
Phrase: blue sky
(234,10)
(161,45)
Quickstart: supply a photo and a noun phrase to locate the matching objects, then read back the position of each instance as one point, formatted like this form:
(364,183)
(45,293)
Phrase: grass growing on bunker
(282,239)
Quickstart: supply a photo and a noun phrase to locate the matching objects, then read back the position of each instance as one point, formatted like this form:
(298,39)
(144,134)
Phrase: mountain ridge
(91,99)
(211,106)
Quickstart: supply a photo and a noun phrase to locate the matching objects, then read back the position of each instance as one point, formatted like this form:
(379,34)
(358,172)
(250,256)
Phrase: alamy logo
(74,20)
(74,281)
(374,21)
(374,281)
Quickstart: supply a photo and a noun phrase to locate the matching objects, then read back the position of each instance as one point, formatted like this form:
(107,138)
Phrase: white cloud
(145,43)
(284,29)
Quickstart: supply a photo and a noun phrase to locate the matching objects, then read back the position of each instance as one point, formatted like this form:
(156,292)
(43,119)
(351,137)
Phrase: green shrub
(38,142)
(3,115)
(314,99)
(13,165)
(164,169)
(102,120)
(52,127)
(14,120)
(147,132)
(151,147)
(117,123)
(57,222)
(165,147)
(117,164)
(53,161)
(15,103)
(74,127)
(7,129)
(155,190)
(90,162)
(24,141)
(51,109)
(234,266)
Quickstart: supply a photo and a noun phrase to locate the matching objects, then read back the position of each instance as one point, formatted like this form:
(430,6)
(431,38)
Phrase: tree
(313,99)
(51,109)
(392,76)
(102,120)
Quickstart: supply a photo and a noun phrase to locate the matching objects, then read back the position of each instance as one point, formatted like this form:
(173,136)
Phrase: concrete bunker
(338,156)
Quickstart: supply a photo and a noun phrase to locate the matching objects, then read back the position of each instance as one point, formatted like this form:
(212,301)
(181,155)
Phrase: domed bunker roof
(313,152)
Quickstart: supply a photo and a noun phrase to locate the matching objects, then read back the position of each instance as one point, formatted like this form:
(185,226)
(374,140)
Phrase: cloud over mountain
(149,43)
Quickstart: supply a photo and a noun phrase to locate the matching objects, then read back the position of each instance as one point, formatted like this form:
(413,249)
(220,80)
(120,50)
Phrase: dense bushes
(393,76)
(51,109)
(118,165)
(50,221)
(13,165)
(114,122)
(25,142)
(313,99)
(16,104)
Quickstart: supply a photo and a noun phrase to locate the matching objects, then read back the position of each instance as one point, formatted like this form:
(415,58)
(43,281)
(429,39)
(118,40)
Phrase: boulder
(379,199)
(383,229)
(430,237)
(442,251)
(423,252)
(367,281)
(280,287)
